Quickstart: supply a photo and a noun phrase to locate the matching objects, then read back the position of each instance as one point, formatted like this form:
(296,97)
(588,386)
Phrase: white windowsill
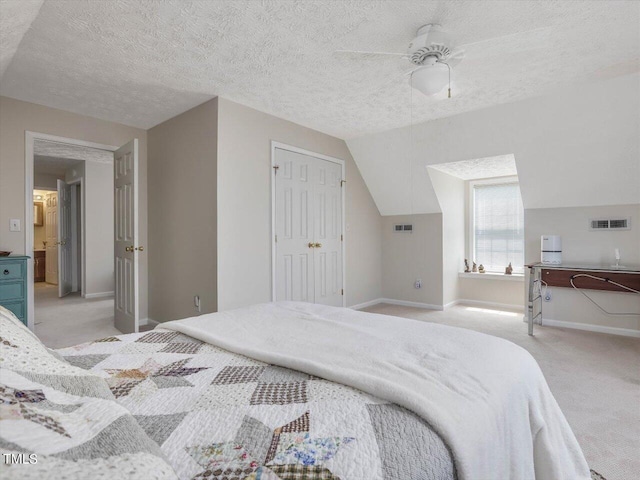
(516,277)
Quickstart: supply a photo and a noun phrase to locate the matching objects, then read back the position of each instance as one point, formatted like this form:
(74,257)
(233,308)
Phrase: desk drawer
(18,308)
(11,270)
(12,290)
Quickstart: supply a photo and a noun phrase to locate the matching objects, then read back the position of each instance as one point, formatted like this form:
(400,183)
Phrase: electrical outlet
(196,302)
(547,296)
(418,283)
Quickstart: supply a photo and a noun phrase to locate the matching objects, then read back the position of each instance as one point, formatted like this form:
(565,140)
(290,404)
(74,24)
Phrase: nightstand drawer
(18,308)
(11,270)
(12,290)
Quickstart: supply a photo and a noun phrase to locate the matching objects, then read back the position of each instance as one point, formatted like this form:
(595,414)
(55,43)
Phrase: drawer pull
(6,272)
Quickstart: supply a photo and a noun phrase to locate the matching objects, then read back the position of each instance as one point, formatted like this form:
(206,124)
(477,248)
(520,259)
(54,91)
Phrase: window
(497,225)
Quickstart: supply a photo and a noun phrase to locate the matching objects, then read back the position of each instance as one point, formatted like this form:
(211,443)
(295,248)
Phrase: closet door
(327,218)
(294,226)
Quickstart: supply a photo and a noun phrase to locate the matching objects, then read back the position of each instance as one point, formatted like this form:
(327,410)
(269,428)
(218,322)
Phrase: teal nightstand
(13,285)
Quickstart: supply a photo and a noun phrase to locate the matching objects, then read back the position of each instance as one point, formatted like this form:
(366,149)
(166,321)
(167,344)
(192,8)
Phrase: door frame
(29,140)
(283,146)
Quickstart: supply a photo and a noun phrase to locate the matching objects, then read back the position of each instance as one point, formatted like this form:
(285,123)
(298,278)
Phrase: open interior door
(64,239)
(51,232)
(125,179)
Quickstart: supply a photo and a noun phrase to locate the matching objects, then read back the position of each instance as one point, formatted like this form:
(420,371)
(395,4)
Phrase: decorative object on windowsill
(508,270)
(481,269)
(4,253)
(466,266)
(475,268)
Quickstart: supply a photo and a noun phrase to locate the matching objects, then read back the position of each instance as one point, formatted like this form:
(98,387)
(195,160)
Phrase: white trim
(370,303)
(98,295)
(492,276)
(406,303)
(588,327)
(291,148)
(29,139)
(483,304)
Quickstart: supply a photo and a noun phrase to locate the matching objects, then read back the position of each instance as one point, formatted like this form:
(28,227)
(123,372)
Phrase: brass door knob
(318,245)
(128,249)
(312,245)
(140,249)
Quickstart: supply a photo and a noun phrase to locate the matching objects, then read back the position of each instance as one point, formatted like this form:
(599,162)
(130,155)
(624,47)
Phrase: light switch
(14,225)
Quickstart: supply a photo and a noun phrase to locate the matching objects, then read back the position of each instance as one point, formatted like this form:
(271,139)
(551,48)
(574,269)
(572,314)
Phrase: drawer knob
(6,272)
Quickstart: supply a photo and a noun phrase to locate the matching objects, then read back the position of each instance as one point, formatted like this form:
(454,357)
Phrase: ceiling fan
(433,52)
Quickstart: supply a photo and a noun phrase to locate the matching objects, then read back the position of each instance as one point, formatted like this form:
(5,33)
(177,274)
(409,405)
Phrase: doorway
(308,223)
(73,280)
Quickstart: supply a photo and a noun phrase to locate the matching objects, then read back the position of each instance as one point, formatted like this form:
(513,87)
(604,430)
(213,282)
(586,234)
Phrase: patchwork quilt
(60,421)
(219,415)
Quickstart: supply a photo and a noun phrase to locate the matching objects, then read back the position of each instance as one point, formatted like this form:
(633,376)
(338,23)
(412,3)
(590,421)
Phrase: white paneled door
(51,233)
(127,248)
(65,273)
(308,228)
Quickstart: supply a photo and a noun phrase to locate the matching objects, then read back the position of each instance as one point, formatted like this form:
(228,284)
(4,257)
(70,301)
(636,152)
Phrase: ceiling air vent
(403,228)
(611,224)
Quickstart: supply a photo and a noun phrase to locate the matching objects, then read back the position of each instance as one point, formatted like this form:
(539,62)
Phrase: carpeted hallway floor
(67,321)
(594,377)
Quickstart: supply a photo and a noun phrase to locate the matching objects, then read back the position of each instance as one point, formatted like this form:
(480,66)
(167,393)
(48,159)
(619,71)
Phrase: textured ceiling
(45,148)
(15,18)
(479,168)
(140,62)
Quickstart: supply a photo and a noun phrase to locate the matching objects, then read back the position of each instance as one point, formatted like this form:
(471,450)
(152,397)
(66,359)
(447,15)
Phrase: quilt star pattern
(219,415)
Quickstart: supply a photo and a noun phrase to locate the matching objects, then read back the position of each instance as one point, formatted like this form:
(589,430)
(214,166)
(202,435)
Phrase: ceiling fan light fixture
(430,79)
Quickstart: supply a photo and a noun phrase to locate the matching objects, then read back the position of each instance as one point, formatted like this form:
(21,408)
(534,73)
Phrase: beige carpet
(67,321)
(594,377)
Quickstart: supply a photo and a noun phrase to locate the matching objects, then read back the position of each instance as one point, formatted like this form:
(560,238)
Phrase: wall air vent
(611,224)
(403,228)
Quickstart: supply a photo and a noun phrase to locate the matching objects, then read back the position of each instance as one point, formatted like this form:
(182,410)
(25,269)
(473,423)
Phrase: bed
(282,391)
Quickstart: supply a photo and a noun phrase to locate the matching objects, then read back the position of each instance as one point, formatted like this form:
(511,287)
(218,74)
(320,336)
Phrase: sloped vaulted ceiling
(140,62)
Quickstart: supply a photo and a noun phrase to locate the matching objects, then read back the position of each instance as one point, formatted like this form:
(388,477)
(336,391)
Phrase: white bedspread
(484,395)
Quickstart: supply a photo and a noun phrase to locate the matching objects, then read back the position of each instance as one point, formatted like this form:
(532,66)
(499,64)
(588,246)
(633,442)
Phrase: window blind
(498,226)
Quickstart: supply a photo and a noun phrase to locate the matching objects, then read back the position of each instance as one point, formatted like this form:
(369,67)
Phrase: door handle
(128,249)
(140,248)
(318,245)
(312,245)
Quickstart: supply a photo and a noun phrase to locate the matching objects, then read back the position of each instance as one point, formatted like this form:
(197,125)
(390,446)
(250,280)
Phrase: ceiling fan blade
(456,57)
(365,53)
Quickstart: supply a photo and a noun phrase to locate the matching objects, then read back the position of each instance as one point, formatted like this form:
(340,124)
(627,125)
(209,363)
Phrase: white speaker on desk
(551,249)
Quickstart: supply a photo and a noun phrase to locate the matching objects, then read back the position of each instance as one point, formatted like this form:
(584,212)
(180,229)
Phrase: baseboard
(405,303)
(370,303)
(99,295)
(148,321)
(483,304)
(626,332)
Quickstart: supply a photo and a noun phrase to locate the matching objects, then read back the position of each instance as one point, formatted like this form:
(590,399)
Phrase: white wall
(97,221)
(578,146)
(451,196)
(407,257)
(244,208)
(581,245)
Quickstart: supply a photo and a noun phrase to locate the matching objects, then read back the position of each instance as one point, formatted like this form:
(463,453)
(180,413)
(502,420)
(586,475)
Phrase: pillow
(60,421)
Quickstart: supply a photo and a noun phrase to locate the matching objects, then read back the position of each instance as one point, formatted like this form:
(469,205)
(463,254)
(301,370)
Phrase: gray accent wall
(182,214)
